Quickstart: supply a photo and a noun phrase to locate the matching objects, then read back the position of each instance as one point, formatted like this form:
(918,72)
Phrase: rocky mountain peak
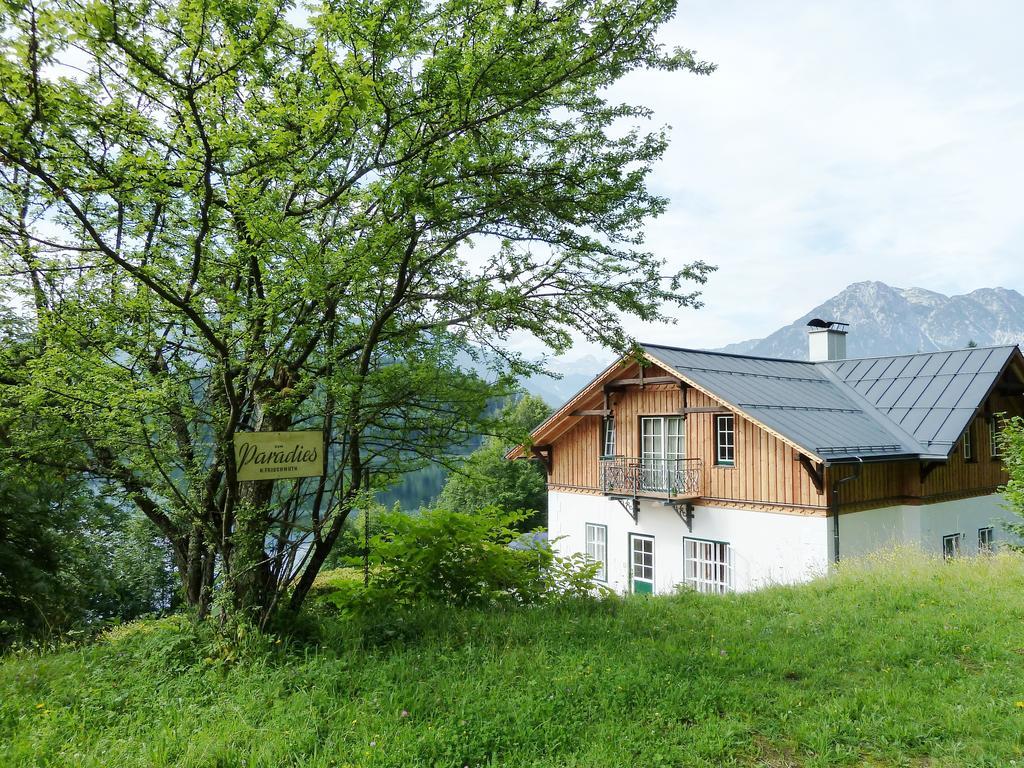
(885,320)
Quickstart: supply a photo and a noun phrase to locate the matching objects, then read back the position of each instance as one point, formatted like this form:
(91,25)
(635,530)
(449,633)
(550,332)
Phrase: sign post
(277,455)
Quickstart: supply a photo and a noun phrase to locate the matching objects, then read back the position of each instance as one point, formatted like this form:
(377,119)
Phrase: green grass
(906,662)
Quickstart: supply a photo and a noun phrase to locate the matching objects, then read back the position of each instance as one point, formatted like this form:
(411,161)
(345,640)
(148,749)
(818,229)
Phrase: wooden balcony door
(662,445)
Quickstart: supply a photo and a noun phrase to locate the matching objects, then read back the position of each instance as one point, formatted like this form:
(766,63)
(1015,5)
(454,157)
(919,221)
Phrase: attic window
(968,443)
(993,437)
(609,436)
(725,441)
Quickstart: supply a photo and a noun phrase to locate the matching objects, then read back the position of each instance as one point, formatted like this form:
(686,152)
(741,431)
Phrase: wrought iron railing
(673,478)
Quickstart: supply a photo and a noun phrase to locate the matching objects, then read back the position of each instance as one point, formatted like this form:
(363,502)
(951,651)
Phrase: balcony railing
(672,478)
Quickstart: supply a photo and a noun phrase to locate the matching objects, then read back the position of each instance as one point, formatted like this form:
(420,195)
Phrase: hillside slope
(910,663)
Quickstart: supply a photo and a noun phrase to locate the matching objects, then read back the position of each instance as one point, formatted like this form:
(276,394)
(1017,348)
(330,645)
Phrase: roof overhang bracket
(684,509)
(543,452)
(816,471)
(927,467)
(632,507)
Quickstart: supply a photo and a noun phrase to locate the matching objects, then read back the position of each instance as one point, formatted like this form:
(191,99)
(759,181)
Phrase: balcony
(658,478)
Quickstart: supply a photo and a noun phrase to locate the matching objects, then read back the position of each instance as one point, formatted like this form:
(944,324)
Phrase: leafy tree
(1011,443)
(222,221)
(488,479)
(68,560)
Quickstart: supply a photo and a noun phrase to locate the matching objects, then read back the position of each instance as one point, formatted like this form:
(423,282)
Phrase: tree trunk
(316,562)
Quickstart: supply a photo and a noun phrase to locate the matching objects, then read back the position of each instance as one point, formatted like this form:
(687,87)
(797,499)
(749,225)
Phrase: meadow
(898,661)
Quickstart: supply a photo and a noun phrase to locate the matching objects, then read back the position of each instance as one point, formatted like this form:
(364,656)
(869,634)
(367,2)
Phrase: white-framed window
(662,445)
(986,540)
(707,565)
(968,443)
(662,437)
(609,436)
(675,437)
(641,563)
(951,546)
(725,441)
(652,433)
(597,548)
(993,437)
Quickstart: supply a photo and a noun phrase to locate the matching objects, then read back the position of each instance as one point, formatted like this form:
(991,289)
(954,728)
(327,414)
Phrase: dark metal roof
(931,395)
(886,407)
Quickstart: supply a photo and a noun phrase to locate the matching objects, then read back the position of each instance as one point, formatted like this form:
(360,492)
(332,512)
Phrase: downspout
(834,503)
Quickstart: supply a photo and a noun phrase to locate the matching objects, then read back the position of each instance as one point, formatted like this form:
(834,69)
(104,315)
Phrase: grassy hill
(902,662)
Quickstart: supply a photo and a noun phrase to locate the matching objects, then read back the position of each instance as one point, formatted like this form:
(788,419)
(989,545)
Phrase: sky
(838,141)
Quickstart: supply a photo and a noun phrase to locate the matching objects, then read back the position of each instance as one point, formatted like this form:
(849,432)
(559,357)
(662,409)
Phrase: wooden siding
(899,482)
(766,473)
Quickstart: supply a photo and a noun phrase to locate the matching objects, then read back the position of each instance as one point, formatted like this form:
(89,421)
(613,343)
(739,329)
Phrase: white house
(728,472)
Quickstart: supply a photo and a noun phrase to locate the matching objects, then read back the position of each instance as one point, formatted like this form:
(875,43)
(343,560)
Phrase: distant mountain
(890,321)
(883,321)
(576,374)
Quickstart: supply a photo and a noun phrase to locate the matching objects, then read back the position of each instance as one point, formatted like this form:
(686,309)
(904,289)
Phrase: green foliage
(1011,444)
(901,663)
(486,478)
(70,561)
(453,558)
(351,545)
(220,221)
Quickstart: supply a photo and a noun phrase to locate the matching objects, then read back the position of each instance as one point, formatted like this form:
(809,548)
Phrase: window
(707,565)
(993,437)
(951,546)
(609,436)
(597,548)
(675,438)
(986,540)
(725,441)
(662,446)
(968,443)
(642,563)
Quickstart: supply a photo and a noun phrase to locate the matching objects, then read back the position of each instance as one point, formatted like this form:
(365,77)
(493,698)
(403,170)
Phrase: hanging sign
(276,455)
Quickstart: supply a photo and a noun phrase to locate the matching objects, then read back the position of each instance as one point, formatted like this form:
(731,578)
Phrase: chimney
(827,340)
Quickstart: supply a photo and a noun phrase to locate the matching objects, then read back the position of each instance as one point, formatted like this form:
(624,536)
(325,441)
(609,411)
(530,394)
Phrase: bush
(1011,444)
(458,559)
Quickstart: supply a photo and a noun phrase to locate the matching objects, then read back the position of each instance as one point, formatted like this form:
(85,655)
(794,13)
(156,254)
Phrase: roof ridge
(718,353)
(914,354)
(726,354)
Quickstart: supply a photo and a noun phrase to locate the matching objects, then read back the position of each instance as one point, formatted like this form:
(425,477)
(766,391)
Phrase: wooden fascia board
(736,409)
(559,422)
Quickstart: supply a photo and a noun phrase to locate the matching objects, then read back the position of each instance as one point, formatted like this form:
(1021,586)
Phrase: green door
(642,563)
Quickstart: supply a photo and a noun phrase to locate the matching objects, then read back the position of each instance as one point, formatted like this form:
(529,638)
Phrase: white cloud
(837,142)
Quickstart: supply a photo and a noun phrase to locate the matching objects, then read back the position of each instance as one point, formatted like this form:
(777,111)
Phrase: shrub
(454,558)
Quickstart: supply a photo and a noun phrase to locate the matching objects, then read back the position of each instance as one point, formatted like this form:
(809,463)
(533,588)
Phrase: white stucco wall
(923,525)
(768,548)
